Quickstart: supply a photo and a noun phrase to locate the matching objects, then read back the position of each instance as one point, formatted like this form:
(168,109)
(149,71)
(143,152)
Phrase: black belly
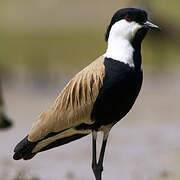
(120,89)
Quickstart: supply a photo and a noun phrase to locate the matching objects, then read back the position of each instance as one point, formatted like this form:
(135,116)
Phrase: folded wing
(72,107)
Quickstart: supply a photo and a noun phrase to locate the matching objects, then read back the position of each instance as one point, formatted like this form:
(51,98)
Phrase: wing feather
(74,104)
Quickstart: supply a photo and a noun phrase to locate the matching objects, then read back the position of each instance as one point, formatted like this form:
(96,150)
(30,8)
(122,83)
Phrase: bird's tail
(27,150)
(5,122)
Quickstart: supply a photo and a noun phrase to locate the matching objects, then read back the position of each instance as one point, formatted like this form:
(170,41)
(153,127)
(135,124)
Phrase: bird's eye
(127,19)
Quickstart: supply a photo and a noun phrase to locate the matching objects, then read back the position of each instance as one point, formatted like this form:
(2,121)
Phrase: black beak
(152,26)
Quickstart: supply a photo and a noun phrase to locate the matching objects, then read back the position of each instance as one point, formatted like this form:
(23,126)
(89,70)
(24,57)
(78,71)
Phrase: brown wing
(74,104)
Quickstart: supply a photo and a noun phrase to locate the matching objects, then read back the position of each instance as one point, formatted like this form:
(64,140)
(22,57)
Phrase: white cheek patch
(119,46)
(135,28)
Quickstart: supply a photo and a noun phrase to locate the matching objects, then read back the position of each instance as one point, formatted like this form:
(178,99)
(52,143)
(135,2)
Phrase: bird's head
(127,23)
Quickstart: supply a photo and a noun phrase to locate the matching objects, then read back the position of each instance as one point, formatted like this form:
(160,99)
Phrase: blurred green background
(51,37)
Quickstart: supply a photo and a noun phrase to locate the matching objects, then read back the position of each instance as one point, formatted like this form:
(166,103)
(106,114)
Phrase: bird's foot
(97,169)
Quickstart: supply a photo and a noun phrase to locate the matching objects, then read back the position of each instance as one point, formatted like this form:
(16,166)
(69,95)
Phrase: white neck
(119,46)
(120,49)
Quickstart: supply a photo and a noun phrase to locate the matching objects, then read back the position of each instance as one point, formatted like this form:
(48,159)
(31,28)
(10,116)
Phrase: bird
(97,97)
(5,122)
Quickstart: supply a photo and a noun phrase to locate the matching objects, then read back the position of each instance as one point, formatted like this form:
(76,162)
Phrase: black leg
(98,167)
(94,159)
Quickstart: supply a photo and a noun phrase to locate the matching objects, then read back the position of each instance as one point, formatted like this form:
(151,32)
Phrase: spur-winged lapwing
(97,97)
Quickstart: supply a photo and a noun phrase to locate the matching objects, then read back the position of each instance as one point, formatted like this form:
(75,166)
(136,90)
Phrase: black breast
(120,89)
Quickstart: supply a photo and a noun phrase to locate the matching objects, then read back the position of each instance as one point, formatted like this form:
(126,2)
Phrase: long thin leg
(98,167)
(94,159)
